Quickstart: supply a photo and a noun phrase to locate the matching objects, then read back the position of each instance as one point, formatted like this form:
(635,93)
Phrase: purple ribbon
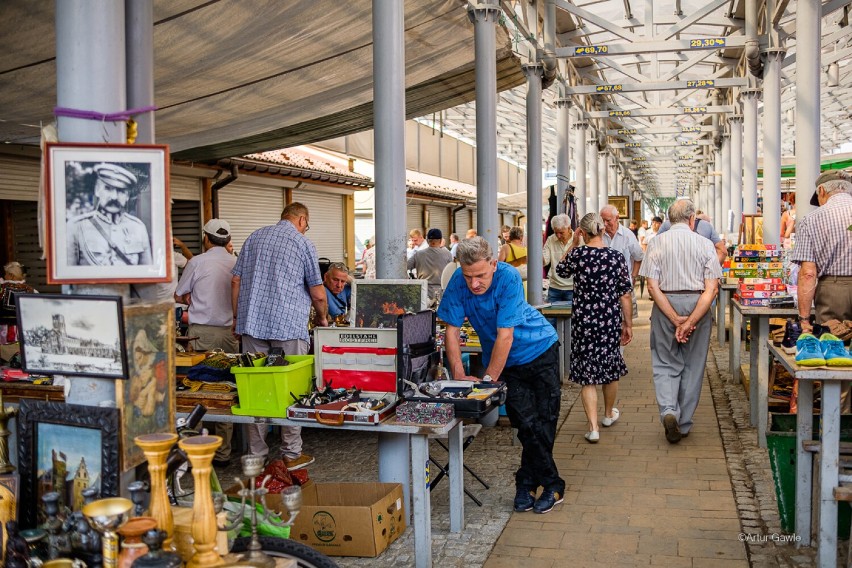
(100,116)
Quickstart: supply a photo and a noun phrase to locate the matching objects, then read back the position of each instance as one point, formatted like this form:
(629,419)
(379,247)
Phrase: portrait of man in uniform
(108,214)
(109,234)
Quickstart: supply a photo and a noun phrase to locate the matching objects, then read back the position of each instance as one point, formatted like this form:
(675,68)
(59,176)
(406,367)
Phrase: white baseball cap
(217,228)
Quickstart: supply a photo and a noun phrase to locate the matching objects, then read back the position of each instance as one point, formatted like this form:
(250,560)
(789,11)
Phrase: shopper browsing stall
(276,280)
(519,347)
(338,290)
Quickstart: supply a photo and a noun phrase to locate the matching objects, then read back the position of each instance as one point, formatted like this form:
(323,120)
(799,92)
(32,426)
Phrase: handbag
(8,292)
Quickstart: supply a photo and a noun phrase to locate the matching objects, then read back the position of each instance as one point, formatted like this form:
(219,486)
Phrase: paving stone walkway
(632,499)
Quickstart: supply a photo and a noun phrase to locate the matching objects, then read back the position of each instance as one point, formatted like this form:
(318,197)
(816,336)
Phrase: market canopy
(233,78)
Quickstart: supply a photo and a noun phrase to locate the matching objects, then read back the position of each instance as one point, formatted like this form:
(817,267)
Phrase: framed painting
(377,303)
(64,448)
(71,335)
(8,507)
(621,203)
(147,398)
(107,213)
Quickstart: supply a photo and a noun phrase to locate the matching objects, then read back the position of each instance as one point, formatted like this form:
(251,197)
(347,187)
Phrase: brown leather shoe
(673,434)
(303,460)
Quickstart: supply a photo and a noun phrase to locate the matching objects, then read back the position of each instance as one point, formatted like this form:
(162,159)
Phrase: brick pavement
(632,499)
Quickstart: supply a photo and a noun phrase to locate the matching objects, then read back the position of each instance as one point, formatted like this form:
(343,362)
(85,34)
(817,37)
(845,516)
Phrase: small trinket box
(425,412)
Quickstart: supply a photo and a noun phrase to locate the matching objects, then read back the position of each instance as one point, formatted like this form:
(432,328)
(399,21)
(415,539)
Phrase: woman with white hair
(601,283)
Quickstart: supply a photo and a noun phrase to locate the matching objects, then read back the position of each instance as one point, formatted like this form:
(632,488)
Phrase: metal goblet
(106,516)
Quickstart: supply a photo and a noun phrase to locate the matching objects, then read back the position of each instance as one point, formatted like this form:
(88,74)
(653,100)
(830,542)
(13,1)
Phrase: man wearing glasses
(276,281)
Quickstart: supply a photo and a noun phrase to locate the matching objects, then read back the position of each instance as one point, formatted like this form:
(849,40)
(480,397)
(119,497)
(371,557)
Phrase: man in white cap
(205,287)
(109,235)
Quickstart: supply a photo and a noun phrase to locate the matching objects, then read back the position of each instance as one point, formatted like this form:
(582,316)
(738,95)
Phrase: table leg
(763,362)
(568,345)
(721,306)
(753,397)
(454,442)
(394,464)
(736,344)
(829,474)
(421,502)
(560,331)
(804,462)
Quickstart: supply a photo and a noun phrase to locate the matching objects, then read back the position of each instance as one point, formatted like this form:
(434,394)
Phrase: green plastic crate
(265,391)
(781,445)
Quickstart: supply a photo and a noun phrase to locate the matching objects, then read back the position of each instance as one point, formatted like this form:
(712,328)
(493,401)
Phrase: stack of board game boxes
(758,270)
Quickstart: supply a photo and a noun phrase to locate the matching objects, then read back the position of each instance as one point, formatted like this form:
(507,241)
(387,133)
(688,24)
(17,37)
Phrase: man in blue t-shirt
(519,347)
(338,290)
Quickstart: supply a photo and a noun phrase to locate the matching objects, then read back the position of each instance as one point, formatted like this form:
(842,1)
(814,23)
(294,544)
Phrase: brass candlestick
(106,516)
(200,450)
(6,413)
(156,448)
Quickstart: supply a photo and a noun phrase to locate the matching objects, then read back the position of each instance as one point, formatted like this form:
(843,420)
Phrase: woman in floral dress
(598,328)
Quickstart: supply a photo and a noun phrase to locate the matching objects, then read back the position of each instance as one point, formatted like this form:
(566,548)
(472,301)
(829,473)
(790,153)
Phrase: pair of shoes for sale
(827,351)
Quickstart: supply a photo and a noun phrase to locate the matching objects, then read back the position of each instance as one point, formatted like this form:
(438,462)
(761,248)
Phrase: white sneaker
(593,437)
(610,421)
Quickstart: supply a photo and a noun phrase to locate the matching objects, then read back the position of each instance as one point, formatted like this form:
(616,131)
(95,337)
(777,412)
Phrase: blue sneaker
(524,499)
(809,351)
(834,352)
(547,501)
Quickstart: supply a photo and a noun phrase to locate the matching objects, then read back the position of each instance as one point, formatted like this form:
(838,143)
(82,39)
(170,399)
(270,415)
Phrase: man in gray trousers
(682,271)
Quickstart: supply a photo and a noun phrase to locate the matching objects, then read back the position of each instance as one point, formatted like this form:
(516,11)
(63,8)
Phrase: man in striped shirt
(683,273)
(823,245)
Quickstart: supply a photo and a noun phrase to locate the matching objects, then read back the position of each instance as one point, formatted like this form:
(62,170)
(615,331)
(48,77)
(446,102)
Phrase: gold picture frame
(147,398)
(620,202)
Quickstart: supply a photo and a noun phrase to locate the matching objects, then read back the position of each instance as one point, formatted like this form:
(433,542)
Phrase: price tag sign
(590,50)
(701,84)
(609,88)
(619,113)
(691,129)
(695,110)
(633,145)
(706,43)
(627,131)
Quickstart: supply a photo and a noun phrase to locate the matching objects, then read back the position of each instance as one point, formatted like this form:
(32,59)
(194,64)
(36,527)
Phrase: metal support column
(581,193)
(389,143)
(563,136)
(726,186)
(749,97)
(736,123)
(808,86)
(534,74)
(772,146)
(594,186)
(90,76)
(603,189)
(717,188)
(139,30)
(484,16)
(389,136)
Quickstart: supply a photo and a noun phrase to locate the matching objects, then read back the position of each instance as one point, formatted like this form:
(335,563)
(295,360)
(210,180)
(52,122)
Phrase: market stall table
(562,314)
(759,358)
(723,303)
(829,448)
(394,441)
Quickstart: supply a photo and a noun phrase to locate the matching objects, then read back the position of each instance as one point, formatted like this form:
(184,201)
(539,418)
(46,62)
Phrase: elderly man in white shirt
(683,275)
(622,239)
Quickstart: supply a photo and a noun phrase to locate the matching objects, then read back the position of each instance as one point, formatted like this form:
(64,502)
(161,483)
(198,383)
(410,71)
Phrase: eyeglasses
(338,266)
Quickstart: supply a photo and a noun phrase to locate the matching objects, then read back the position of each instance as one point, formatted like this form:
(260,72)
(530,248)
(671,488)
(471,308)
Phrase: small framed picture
(107,213)
(72,335)
(65,448)
(620,202)
(377,303)
(147,400)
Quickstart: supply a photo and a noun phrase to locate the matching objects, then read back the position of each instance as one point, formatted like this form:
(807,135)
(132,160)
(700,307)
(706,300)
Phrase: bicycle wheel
(305,556)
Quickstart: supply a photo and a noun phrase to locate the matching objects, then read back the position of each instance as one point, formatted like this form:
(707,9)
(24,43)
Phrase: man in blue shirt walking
(519,347)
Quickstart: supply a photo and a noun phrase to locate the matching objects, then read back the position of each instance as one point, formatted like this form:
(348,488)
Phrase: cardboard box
(349,519)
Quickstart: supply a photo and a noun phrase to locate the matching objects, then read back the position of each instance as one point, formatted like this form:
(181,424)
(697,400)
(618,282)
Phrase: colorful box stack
(756,261)
(758,291)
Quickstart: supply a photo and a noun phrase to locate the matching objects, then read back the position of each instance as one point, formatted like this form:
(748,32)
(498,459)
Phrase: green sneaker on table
(836,355)
(809,351)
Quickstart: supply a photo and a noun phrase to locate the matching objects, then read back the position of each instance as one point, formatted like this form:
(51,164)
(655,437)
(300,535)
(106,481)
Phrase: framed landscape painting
(377,303)
(72,335)
(65,448)
(107,213)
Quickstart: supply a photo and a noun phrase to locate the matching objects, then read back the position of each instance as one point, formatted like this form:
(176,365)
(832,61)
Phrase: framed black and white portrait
(107,213)
(72,335)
